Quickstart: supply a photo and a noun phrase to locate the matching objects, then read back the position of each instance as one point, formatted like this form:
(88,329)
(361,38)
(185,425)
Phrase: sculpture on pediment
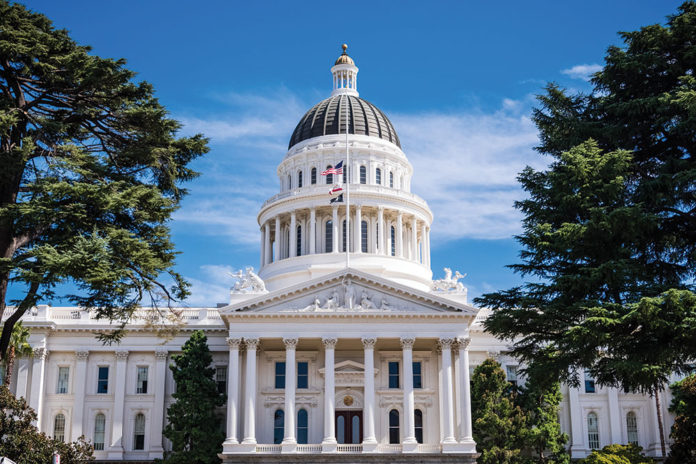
(332,302)
(349,295)
(385,305)
(450,283)
(365,302)
(248,282)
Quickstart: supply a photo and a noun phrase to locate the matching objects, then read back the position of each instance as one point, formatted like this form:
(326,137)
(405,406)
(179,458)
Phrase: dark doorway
(349,427)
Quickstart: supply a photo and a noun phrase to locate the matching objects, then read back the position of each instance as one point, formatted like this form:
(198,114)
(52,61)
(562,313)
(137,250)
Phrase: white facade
(371,359)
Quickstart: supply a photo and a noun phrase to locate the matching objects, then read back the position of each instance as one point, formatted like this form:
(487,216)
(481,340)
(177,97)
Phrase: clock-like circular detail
(348,400)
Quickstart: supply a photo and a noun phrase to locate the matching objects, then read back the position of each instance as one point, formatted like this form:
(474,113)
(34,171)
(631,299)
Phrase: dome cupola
(345,75)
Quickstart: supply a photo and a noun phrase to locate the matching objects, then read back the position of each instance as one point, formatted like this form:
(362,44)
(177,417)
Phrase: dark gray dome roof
(328,117)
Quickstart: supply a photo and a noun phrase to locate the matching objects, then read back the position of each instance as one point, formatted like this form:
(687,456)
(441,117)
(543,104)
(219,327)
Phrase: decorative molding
(463,343)
(446,343)
(329,343)
(121,355)
(234,343)
(290,343)
(40,353)
(251,343)
(82,354)
(407,342)
(161,355)
(369,343)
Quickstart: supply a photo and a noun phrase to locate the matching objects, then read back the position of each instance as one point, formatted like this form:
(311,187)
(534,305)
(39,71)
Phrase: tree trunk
(10,366)
(660,426)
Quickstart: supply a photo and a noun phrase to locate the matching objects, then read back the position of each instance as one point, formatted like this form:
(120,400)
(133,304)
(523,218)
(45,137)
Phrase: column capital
(81,354)
(407,342)
(290,343)
(399,215)
(329,343)
(369,342)
(251,343)
(446,343)
(40,353)
(463,343)
(161,354)
(121,355)
(334,207)
(380,208)
(358,206)
(234,343)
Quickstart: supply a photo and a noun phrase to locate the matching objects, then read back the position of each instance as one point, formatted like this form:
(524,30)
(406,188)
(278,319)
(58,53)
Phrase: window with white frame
(99,430)
(141,385)
(391,180)
(378,176)
(363,175)
(393,374)
(63,377)
(592,431)
(103,379)
(299,179)
(417,374)
(418,422)
(302,374)
(589,382)
(313,176)
(363,236)
(632,428)
(394,435)
(221,378)
(278,426)
(511,374)
(139,432)
(328,237)
(59,428)
(280,374)
(302,427)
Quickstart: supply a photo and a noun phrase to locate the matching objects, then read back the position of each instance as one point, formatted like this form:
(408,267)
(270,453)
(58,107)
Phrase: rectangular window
(511,374)
(221,379)
(280,374)
(393,374)
(303,374)
(63,376)
(589,382)
(141,386)
(103,379)
(417,375)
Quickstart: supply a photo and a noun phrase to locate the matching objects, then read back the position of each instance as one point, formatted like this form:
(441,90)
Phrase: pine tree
(194,427)
(498,423)
(683,447)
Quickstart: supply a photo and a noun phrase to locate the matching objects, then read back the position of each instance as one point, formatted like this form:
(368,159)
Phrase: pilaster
(156,448)
(79,383)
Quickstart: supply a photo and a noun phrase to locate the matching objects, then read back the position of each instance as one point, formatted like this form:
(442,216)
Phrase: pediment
(349,292)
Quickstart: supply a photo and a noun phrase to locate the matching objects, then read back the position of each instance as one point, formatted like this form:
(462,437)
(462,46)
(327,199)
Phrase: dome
(327,118)
(344,58)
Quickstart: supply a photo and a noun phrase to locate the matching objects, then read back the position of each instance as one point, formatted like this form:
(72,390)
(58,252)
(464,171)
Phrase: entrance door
(349,428)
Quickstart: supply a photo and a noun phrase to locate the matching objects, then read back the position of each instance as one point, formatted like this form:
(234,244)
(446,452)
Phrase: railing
(68,314)
(389,449)
(309,449)
(269,449)
(349,448)
(429,448)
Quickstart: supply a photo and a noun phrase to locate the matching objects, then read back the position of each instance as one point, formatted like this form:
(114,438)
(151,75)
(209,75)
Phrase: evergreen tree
(91,172)
(683,447)
(194,428)
(609,240)
(498,423)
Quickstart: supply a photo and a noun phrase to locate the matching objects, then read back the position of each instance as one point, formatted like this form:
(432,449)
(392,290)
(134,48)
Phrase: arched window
(391,180)
(632,428)
(278,427)
(418,422)
(344,237)
(139,432)
(394,436)
(299,240)
(289,182)
(302,427)
(59,427)
(328,237)
(299,179)
(378,176)
(313,176)
(363,175)
(329,177)
(393,241)
(363,236)
(99,428)
(592,431)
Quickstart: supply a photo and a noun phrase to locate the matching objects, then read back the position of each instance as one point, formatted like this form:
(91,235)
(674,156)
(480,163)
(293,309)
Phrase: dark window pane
(278,427)
(341,429)
(394,426)
(393,374)
(314,176)
(417,377)
(103,380)
(418,422)
(302,374)
(280,375)
(302,427)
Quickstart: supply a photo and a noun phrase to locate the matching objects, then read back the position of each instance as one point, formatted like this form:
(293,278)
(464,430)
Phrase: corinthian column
(410,444)
(289,440)
(465,435)
(369,440)
(37,383)
(312,231)
(382,232)
(156,448)
(399,235)
(293,235)
(329,442)
(276,242)
(447,392)
(232,393)
(250,391)
(116,448)
(79,403)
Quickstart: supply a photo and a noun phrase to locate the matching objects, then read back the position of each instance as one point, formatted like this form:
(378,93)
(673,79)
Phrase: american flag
(338,169)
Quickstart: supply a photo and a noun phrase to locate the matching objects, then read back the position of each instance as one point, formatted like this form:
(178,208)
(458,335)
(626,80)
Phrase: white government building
(316,358)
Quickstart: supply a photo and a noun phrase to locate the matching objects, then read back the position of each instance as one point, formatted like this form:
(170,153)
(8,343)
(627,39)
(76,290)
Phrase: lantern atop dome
(345,75)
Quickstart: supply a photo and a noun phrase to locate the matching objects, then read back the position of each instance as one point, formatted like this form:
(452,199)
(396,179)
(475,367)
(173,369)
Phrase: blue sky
(457,79)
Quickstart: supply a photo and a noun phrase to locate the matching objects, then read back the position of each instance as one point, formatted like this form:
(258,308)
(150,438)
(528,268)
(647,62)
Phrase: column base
(370,446)
(468,445)
(115,453)
(329,446)
(156,454)
(289,447)
(457,448)
(409,446)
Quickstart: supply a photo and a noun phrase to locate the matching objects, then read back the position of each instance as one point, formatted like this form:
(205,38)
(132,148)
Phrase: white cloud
(213,288)
(582,71)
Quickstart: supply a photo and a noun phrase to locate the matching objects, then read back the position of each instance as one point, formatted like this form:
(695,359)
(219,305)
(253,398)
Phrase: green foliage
(683,447)
(609,238)
(91,173)
(23,443)
(194,427)
(19,346)
(617,454)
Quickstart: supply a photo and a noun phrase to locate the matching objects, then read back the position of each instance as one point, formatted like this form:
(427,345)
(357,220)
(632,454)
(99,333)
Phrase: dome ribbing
(328,118)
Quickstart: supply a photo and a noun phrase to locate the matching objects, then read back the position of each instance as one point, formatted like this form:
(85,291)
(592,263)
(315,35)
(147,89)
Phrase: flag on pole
(338,169)
(336,194)
(338,199)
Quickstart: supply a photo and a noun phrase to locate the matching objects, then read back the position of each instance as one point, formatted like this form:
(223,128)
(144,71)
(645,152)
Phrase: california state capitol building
(357,356)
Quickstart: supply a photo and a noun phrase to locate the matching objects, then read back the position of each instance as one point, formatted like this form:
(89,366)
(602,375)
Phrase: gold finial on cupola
(344,58)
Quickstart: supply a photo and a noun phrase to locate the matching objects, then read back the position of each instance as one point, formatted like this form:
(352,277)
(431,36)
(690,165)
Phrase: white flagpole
(347,179)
